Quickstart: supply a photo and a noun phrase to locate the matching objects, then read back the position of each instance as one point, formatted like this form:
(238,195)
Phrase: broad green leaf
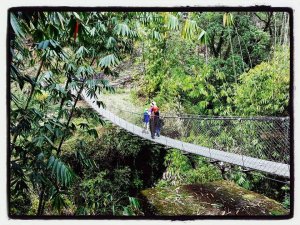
(228,19)
(77,16)
(155,35)
(43,44)
(100,104)
(171,21)
(203,37)
(62,173)
(189,29)
(16,26)
(49,127)
(54,167)
(50,142)
(58,170)
(81,52)
(109,61)
(40,156)
(111,42)
(51,161)
(122,29)
(61,19)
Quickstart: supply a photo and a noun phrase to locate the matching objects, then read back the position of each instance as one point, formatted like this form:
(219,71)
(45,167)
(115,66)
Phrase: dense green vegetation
(65,160)
(236,73)
(121,166)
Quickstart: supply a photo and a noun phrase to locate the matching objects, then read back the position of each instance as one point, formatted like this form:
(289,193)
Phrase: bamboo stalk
(15,136)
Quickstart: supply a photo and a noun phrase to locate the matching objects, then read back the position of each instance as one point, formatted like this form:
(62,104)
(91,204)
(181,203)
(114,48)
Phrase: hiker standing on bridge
(160,124)
(146,120)
(153,118)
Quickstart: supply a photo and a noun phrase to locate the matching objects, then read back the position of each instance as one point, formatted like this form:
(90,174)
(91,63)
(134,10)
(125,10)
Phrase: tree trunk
(70,117)
(63,99)
(221,40)
(41,201)
(61,105)
(233,62)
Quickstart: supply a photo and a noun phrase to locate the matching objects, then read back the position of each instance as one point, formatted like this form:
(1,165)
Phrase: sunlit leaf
(109,61)
(16,26)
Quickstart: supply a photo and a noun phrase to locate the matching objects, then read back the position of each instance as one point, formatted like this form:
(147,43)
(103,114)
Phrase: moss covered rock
(213,198)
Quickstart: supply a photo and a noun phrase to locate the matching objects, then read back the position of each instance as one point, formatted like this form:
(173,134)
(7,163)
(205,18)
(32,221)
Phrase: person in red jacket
(154,110)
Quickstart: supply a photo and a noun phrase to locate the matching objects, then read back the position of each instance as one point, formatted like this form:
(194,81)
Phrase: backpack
(155,109)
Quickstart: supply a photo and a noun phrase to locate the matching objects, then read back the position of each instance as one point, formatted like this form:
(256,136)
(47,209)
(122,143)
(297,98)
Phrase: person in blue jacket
(146,120)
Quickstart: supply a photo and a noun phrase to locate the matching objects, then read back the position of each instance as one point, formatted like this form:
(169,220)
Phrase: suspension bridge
(256,143)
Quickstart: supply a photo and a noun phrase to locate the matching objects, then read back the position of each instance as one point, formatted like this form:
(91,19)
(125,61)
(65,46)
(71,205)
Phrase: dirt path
(120,100)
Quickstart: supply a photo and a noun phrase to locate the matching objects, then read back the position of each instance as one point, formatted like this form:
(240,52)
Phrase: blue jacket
(146,117)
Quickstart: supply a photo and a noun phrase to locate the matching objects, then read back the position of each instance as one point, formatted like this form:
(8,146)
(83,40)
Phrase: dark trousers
(153,125)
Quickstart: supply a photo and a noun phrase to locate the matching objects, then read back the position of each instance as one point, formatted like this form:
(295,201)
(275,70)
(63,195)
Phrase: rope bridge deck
(279,167)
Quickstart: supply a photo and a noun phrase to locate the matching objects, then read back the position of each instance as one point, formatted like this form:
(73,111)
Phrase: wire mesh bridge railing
(260,143)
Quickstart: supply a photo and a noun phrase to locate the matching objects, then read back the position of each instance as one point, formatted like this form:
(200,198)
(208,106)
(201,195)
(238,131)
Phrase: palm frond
(60,171)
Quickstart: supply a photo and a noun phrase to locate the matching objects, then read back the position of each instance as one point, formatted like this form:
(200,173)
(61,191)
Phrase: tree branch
(73,109)
(41,199)
(14,139)
(260,18)
(34,85)
(70,117)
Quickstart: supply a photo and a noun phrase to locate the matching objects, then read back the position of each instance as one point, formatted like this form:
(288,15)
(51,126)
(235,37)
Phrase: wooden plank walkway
(241,160)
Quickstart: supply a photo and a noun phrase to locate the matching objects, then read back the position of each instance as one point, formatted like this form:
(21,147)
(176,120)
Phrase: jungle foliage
(53,54)
(62,161)
(242,67)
